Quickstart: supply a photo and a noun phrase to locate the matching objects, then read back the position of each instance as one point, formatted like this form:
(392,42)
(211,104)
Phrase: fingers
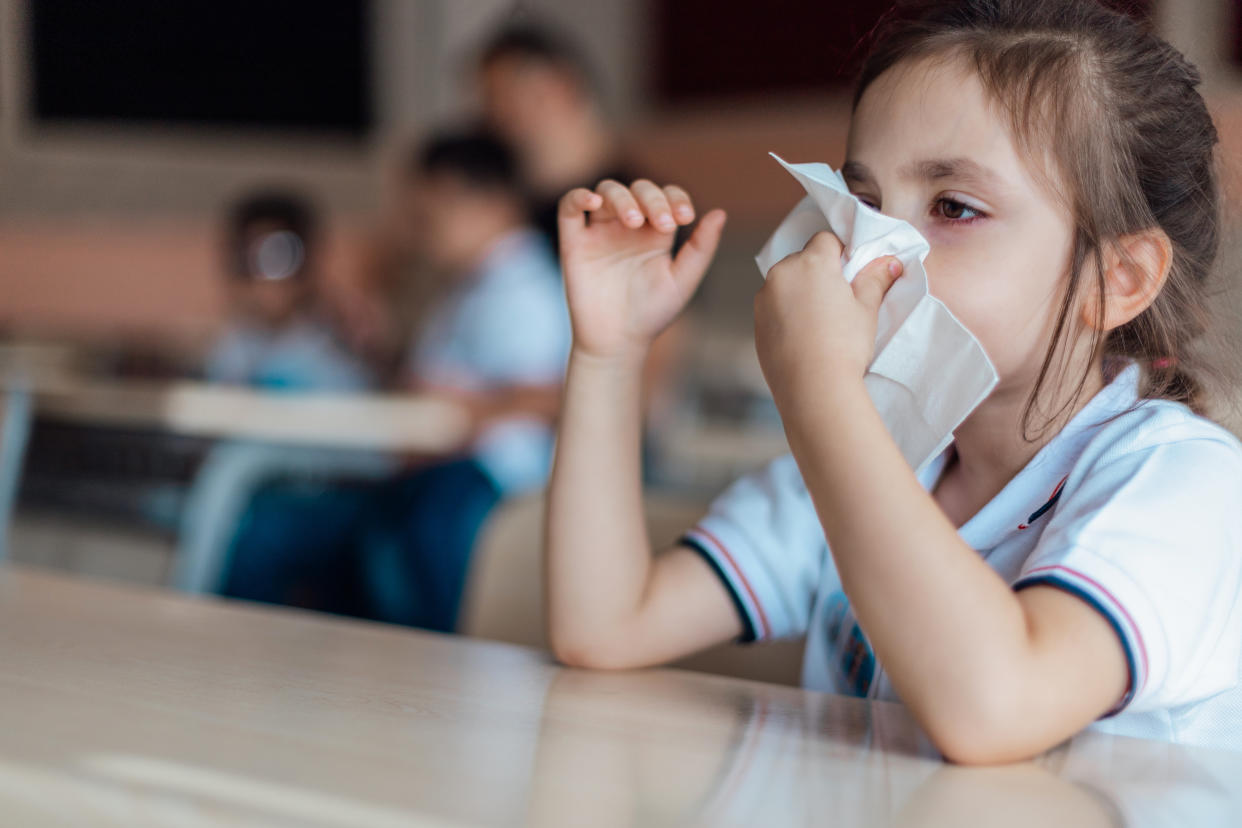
(572,208)
(679,201)
(666,208)
(696,254)
(824,243)
(621,202)
(654,204)
(874,280)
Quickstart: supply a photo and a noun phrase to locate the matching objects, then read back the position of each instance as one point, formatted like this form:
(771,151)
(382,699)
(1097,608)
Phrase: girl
(1075,558)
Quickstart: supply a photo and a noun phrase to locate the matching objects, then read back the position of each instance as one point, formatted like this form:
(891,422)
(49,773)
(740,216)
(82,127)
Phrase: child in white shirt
(1075,558)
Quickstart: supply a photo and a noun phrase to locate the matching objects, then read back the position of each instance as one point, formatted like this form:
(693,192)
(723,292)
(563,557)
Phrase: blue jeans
(396,551)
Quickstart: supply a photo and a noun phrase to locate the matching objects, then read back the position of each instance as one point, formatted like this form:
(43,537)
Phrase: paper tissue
(929,372)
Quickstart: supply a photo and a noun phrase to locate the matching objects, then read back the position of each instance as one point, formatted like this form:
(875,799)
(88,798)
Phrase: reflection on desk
(148,708)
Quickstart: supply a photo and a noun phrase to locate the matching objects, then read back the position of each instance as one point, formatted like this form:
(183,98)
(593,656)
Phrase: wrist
(622,360)
(826,402)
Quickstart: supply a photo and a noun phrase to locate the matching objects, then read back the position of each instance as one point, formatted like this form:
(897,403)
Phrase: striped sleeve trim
(754,619)
(1104,602)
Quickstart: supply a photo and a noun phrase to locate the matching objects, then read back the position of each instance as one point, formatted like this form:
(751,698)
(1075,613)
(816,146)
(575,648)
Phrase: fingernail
(633,215)
(666,222)
(685,212)
(894,267)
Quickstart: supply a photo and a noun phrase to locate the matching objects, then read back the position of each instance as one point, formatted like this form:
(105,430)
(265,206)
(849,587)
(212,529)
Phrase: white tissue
(929,371)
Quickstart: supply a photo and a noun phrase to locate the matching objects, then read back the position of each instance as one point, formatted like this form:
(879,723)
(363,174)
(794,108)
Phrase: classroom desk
(129,706)
(387,422)
(395,423)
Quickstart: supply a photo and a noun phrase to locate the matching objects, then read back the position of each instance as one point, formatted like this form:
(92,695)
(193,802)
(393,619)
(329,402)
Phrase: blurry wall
(113,231)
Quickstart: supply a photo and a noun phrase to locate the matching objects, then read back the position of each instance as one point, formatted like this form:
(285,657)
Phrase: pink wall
(127,276)
(124,277)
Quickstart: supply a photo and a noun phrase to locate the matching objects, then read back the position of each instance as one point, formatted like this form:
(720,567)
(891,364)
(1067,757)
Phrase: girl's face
(928,145)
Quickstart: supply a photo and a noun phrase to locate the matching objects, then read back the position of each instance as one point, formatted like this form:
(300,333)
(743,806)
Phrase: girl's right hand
(622,282)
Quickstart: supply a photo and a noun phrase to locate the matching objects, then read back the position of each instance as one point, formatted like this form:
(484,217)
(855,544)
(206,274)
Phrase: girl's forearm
(597,554)
(905,568)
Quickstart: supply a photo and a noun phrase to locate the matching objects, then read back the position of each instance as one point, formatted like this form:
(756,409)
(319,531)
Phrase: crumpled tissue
(929,371)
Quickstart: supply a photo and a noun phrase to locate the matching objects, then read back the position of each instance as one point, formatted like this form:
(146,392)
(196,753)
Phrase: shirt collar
(1040,479)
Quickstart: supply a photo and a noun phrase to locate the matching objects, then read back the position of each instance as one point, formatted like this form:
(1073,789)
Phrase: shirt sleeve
(231,359)
(521,334)
(763,538)
(1152,540)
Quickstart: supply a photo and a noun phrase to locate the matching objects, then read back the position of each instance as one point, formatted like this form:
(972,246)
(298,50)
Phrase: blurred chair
(15,419)
(504,593)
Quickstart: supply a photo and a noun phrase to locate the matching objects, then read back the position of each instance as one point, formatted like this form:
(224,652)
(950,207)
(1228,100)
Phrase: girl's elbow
(980,732)
(575,654)
(587,652)
(980,750)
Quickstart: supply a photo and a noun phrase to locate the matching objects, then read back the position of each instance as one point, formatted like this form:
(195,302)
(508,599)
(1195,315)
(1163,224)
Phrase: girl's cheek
(966,283)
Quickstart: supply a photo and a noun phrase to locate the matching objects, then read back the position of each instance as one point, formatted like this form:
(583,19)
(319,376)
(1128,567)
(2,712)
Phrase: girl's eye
(954,210)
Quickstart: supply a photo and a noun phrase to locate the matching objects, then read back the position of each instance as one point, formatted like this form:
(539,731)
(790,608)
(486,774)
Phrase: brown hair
(1119,112)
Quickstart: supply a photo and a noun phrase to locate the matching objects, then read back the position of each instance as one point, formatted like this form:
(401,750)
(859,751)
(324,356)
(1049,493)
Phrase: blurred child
(496,342)
(1074,558)
(277,336)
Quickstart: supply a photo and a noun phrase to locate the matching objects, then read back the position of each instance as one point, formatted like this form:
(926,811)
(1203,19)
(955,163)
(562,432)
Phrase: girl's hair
(1118,112)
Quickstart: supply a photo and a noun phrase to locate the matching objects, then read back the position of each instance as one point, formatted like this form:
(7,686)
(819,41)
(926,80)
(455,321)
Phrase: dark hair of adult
(526,40)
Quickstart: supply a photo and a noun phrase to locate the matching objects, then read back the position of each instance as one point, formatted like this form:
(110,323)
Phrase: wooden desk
(386,422)
(36,381)
(125,706)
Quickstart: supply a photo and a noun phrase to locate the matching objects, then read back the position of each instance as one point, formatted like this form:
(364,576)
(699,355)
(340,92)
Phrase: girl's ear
(1135,269)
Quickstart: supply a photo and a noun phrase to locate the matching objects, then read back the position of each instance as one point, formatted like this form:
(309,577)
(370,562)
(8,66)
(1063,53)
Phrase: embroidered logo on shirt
(1043,510)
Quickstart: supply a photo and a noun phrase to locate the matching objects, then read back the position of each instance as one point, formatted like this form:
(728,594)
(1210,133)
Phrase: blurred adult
(540,94)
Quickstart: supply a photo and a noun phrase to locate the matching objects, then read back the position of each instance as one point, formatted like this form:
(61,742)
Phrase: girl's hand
(812,328)
(623,285)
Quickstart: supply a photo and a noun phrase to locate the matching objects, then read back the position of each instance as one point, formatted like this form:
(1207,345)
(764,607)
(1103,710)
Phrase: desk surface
(127,706)
(386,422)
(392,422)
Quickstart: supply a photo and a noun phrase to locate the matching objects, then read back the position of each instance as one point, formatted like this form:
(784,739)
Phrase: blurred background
(166,167)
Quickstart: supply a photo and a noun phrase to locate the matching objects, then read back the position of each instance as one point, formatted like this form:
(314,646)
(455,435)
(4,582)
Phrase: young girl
(1075,558)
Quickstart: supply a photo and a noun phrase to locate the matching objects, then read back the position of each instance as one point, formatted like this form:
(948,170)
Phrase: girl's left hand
(814,330)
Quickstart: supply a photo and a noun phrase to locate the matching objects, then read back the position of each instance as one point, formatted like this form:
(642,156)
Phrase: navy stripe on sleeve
(1079,592)
(748,627)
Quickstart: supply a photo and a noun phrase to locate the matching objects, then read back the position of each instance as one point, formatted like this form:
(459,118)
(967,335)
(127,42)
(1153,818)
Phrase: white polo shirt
(1135,507)
(504,325)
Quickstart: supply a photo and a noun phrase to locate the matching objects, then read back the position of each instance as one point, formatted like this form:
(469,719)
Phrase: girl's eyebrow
(857,172)
(932,169)
(965,169)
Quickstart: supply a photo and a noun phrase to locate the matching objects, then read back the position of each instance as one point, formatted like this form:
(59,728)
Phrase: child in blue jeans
(497,343)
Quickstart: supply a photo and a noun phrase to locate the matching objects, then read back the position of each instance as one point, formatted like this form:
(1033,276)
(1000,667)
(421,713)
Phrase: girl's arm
(991,674)
(610,604)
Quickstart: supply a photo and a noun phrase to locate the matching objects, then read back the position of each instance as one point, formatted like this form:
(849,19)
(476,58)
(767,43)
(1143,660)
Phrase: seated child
(497,342)
(1074,559)
(277,336)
